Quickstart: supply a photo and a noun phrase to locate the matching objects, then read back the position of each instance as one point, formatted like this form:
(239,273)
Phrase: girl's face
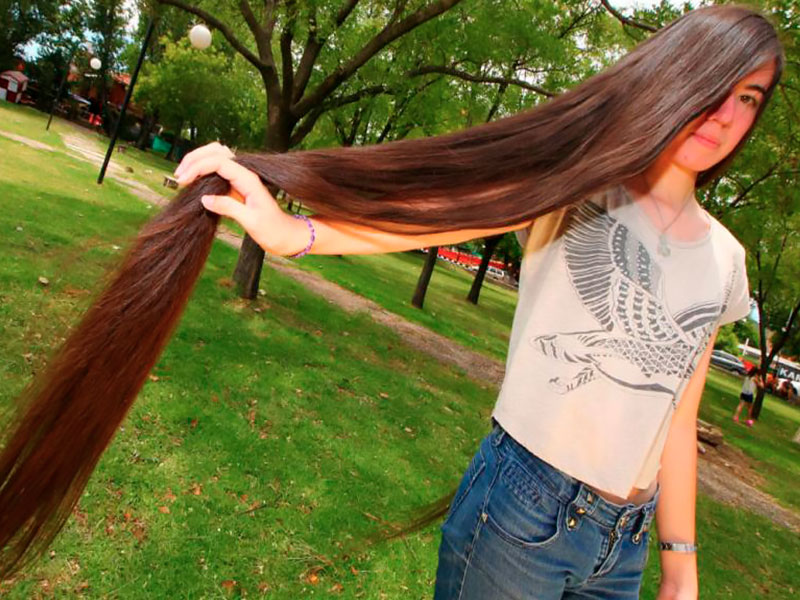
(713,135)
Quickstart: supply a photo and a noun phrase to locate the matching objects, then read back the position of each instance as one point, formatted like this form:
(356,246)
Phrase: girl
(625,280)
(619,304)
(751,381)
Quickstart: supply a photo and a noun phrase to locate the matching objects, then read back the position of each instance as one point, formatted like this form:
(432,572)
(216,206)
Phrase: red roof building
(12,85)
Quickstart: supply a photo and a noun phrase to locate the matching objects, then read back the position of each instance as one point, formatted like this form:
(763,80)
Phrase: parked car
(727,361)
(781,384)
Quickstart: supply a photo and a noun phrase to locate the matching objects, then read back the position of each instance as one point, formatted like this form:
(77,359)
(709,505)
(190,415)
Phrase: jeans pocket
(474,470)
(520,511)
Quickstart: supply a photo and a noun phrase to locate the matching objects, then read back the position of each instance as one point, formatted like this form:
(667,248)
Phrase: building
(12,85)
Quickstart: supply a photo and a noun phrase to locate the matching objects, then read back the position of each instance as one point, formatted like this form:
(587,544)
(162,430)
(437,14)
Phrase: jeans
(519,528)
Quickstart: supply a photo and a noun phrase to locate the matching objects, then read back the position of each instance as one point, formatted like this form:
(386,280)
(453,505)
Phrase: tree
(489,246)
(106,21)
(758,199)
(197,86)
(425,277)
(769,227)
(22,21)
(318,57)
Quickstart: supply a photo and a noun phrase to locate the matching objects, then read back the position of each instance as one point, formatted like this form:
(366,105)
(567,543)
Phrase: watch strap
(677,546)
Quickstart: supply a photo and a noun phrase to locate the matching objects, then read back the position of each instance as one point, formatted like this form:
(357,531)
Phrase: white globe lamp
(200,37)
(95,63)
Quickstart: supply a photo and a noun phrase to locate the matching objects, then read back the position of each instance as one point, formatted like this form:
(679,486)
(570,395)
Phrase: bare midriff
(637,496)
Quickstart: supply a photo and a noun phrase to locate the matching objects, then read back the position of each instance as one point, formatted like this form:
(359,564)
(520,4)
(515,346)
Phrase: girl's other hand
(248,202)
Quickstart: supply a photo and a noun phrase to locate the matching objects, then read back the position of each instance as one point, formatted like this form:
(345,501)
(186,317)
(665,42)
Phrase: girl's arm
(340,237)
(675,511)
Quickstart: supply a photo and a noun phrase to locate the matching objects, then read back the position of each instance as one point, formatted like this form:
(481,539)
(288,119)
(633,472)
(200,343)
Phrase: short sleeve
(738,305)
(523,235)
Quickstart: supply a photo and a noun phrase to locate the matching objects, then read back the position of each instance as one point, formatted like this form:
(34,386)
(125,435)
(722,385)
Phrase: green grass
(273,432)
(146,167)
(768,444)
(24,121)
(309,415)
(390,280)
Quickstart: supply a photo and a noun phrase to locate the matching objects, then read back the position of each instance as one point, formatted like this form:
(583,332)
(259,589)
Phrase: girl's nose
(724,113)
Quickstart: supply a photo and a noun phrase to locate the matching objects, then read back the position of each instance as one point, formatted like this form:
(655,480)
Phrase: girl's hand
(248,202)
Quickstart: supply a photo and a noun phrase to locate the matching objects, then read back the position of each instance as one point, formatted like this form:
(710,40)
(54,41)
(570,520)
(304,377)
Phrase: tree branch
(224,29)
(310,53)
(287,35)
(262,37)
(574,23)
(742,194)
(387,35)
(269,17)
(305,127)
(627,21)
(479,78)
(345,11)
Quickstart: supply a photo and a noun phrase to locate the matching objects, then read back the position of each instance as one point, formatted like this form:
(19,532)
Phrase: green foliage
(21,21)
(219,95)
(727,339)
(747,331)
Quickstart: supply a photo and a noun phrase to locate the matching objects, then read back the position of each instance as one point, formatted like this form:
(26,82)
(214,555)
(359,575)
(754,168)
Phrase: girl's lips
(708,142)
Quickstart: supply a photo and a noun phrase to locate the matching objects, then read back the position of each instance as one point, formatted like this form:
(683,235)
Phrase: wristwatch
(677,546)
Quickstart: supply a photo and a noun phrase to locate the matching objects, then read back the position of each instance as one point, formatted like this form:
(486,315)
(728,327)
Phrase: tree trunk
(147,126)
(171,153)
(247,273)
(490,244)
(425,277)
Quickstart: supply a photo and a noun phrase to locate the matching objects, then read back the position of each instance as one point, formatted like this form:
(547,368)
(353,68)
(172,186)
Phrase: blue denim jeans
(520,528)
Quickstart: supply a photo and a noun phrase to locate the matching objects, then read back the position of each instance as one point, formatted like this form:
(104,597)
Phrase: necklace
(663,244)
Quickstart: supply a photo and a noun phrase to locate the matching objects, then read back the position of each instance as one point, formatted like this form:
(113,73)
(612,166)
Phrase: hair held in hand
(602,132)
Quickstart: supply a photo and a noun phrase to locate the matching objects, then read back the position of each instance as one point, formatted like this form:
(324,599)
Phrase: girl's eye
(749,100)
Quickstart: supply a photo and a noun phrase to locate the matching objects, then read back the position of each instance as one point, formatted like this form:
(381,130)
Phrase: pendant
(663,246)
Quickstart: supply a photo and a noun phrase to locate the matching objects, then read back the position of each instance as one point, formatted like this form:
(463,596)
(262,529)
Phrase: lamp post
(94,63)
(199,36)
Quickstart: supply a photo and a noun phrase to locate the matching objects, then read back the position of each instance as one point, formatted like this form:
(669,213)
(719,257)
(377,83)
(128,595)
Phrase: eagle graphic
(638,345)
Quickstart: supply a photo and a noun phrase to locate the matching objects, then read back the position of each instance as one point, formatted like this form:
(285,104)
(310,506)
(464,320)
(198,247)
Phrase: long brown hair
(602,132)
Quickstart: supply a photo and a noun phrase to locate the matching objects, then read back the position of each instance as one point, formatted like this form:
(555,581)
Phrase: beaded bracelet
(677,546)
(305,250)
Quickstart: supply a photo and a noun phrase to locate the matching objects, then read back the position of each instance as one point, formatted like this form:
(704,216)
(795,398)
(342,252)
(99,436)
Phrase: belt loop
(498,433)
(644,519)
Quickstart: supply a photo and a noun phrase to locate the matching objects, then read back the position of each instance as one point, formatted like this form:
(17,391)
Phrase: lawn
(273,435)
(390,280)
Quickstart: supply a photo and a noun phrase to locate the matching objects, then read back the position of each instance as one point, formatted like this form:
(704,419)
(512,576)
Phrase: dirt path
(81,148)
(724,473)
(28,141)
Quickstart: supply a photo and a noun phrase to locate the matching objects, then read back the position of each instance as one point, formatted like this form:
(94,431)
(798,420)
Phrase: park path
(724,473)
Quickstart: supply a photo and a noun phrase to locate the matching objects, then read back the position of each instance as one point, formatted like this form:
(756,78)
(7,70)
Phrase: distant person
(752,380)
(787,389)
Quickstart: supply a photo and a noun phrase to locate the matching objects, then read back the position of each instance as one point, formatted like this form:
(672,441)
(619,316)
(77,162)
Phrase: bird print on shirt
(638,344)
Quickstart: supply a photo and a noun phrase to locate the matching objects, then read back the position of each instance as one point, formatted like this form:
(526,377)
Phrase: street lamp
(94,63)
(199,36)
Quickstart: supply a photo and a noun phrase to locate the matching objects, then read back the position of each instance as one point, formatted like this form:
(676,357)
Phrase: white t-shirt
(606,334)
(749,386)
